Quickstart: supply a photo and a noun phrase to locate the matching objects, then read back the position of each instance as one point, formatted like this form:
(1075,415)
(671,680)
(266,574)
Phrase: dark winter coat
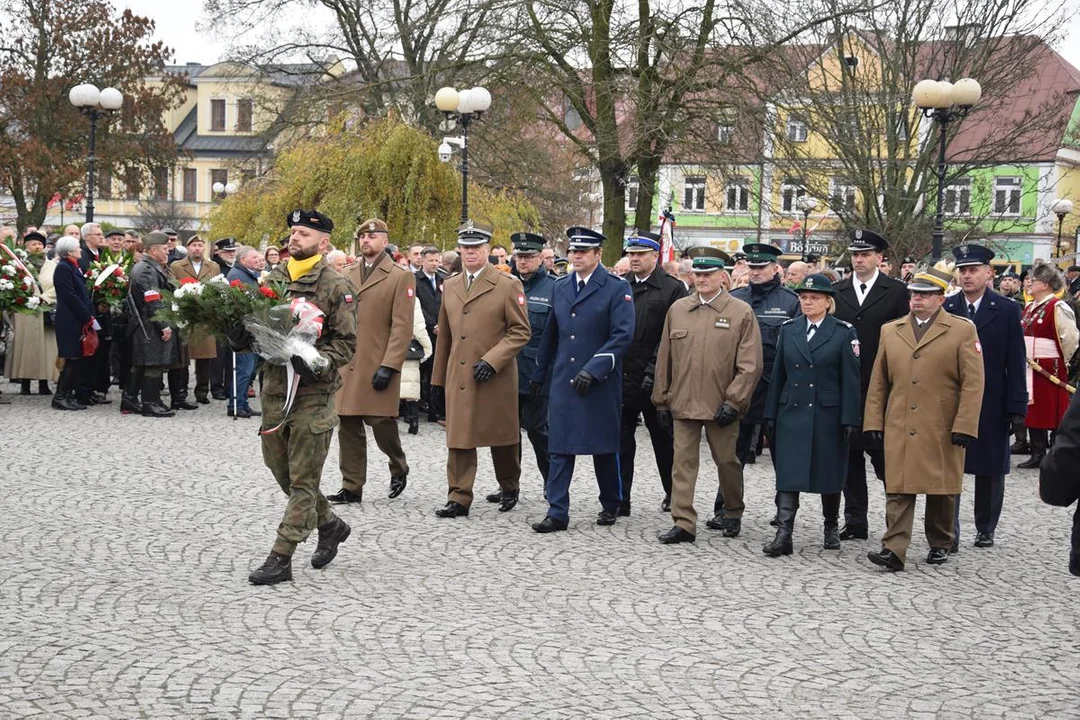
(773,304)
(73,309)
(149,282)
(652,298)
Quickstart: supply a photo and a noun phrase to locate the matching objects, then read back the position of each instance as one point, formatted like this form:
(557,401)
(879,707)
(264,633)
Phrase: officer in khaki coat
(707,367)
(195,266)
(371,389)
(924,402)
(483,325)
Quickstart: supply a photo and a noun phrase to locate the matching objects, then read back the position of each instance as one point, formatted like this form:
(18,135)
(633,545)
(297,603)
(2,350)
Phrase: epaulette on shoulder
(845,323)
(788,321)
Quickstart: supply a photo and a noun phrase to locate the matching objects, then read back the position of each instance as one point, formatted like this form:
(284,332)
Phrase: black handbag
(415,351)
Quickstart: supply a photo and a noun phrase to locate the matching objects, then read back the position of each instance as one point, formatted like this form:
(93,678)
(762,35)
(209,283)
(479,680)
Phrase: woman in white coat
(419,351)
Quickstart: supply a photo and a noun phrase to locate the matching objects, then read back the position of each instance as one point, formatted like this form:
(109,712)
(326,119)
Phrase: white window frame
(725,131)
(633,186)
(695,200)
(958,198)
(741,189)
(788,202)
(797,129)
(1010,190)
(838,186)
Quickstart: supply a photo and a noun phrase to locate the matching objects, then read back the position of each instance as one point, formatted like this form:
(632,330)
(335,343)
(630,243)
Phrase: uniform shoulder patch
(845,323)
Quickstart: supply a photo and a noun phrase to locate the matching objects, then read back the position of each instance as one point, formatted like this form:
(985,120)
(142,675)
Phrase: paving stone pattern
(123,592)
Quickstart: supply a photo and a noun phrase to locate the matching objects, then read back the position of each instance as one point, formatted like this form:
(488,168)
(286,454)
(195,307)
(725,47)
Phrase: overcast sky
(176,25)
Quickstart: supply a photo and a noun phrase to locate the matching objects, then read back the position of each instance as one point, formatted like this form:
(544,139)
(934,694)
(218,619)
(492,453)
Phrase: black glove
(770,433)
(302,368)
(726,415)
(582,382)
(647,383)
(536,389)
(482,371)
(381,379)
(663,416)
(961,440)
(1016,424)
(438,395)
(851,433)
(238,338)
(874,439)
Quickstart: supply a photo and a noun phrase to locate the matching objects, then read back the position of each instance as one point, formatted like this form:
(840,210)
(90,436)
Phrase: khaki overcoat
(204,348)
(384,327)
(709,354)
(920,393)
(489,323)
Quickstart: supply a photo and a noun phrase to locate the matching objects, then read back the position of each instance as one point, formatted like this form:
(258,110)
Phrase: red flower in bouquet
(236,283)
(188,281)
(268,292)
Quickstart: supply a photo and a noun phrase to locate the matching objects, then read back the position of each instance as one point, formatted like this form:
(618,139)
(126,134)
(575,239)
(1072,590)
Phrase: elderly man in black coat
(154,345)
(74,312)
(1059,482)
(997,320)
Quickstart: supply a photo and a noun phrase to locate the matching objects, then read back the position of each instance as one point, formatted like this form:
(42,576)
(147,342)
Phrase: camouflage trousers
(295,455)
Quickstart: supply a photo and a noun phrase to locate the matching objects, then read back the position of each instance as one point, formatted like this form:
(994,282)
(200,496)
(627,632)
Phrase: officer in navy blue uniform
(997,320)
(773,304)
(868,298)
(589,331)
(654,292)
(539,287)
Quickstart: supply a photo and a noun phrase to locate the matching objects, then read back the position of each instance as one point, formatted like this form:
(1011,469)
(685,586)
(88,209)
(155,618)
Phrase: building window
(632,187)
(104,184)
(796,129)
(694,194)
(244,111)
(841,195)
(132,183)
(1007,196)
(847,125)
(737,196)
(790,192)
(958,198)
(219,176)
(162,178)
(191,184)
(217,115)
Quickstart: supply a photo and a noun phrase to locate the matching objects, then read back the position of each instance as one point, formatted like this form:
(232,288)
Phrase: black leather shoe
(937,556)
(277,568)
(509,500)
(676,535)
(64,402)
(157,409)
(247,413)
(732,527)
(331,535)
(624,510)
(955,547)
(1019,448)
(779,546)
(716,522)
(202,399)
(1033,462)
(832,538)
(605,517)
(495,497)
(219,396)
(665,506)
(344,497)
(129,404)
(397,485)
(452,510)
(886,559)
(414,426)
(186,405)
(550,525)
(984,540)
(850,532)
(100,398)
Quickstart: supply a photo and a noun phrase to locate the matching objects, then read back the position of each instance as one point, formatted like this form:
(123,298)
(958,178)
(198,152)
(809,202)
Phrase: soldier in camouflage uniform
(296,451)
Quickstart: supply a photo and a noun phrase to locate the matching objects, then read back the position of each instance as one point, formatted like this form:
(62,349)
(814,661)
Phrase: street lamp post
(806,205)
(1061,208)
(944,102)
(223,189)
(94,104)
(463,107)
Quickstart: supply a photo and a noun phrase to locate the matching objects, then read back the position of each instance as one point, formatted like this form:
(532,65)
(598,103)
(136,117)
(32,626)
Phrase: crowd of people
(927,371)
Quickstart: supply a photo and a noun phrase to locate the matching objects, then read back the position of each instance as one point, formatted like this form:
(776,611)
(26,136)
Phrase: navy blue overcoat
(591,331)
(73,309)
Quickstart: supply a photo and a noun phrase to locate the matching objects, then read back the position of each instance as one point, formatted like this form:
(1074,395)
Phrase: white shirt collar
(475,275)
(586,278)
(706,302)
(977,303)
(869,283)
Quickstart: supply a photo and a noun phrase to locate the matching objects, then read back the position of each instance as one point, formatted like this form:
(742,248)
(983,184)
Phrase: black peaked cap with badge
(527,243)
(310,219)
(862,240)
(583,238)
(225,244)
(972,254)
(705,258)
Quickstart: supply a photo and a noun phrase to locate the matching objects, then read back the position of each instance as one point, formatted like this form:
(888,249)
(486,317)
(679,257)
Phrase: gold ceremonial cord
(1057,381)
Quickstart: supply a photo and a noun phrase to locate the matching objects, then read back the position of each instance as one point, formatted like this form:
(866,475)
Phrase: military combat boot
(277,568)
(787,506)
(331,535)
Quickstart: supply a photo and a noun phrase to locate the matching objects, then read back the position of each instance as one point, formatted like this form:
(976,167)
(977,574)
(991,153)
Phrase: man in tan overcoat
(195,266)
(483,324)
(371,387)
(707,367)
(923,403)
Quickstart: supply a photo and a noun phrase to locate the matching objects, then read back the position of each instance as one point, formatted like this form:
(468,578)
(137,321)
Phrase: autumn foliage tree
(48,46)
(387,169)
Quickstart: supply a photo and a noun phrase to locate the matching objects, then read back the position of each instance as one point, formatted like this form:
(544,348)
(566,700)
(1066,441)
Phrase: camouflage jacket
(335,296)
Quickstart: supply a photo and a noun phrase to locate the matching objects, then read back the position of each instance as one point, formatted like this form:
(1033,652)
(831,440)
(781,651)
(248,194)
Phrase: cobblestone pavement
(127,541)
